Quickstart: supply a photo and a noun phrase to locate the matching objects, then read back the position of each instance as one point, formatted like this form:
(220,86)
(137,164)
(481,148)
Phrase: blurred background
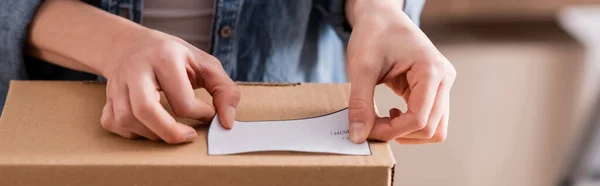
(524,99)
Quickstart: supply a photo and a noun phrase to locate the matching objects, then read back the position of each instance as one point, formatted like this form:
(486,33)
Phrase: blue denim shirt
(275,40)
(255,40)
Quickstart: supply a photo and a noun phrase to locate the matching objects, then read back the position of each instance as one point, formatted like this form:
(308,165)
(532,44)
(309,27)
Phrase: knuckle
(185,110)
(450,73)
(105,121)
(166,51)
(106,124)
(434,70)
(236,94)
(231,92)
(124,119)
(358,108)
(209,66)
(143,109)
(420,123)
(438,138)
(428,132)
(211,59)
(209,63)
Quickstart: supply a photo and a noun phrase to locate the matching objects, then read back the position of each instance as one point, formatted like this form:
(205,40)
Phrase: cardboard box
(51,135)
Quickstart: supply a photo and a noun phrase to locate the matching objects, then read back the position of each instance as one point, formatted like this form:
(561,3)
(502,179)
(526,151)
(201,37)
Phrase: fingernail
(231,116)
(358,130)
(191,136)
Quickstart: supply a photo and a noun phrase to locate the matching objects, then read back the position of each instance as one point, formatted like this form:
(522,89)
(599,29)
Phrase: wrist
(385,13)
(361,8)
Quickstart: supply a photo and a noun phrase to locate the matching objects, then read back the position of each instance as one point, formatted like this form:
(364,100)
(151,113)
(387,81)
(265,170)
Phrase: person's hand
(155,62)
(386,47)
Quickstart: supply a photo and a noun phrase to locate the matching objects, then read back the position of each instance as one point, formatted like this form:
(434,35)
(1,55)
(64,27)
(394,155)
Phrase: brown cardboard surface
(50,134)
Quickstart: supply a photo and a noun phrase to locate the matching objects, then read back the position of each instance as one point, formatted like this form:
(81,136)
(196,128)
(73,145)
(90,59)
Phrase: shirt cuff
(334,11)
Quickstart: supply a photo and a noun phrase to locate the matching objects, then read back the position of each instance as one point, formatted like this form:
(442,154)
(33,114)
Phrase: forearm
(78,36)
(354,8)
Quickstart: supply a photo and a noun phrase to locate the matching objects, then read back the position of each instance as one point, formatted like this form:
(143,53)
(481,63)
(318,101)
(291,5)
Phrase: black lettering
(343,132)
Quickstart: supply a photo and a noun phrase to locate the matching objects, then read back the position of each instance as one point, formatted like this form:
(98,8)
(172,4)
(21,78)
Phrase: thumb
(225,99)
(361,113)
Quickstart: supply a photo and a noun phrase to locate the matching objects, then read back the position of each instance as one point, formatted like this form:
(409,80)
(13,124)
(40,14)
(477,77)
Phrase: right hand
(153,62)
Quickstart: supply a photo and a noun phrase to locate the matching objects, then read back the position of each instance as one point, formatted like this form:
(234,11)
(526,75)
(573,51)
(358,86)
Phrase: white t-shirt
(190,20)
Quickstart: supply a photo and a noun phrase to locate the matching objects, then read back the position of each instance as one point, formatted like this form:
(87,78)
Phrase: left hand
(386,47)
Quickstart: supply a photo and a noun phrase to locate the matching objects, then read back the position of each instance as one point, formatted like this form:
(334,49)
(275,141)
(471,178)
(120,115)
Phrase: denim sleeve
(15,16)
(413,9)
(334,12)
(37,69)
(130,9)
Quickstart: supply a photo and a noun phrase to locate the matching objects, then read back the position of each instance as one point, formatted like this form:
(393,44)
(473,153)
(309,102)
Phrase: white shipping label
(324,134)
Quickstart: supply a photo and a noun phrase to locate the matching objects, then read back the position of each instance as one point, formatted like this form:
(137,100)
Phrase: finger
(123,116)
(145,102)
(399,85)
(426,81)
(224,91)
(434,117)
(173,79)
(394,112)
(108,122)
(361,113)
(139,129)
(441,130)
(384,121)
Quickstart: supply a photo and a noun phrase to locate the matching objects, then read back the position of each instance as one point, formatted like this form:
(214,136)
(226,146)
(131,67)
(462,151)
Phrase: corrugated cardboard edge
(154,175)
(238,83)
(391,170)
(267,84)
(392,175)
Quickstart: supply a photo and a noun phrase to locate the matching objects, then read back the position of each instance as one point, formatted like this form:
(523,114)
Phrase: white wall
(511,117)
